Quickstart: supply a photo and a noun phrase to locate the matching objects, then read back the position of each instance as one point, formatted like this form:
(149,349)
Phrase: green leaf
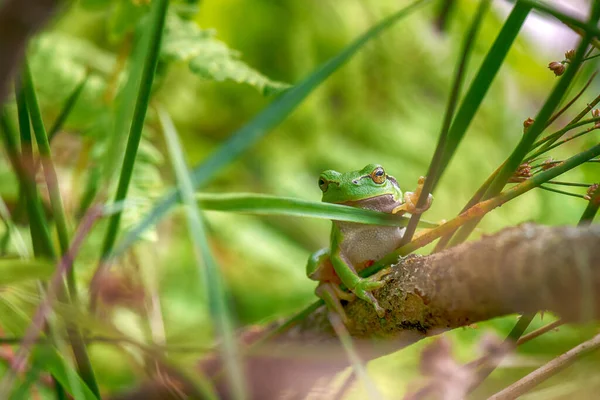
(154,36)
(210,58)
(18,270)
(206,263)
(259,204)
(48,359)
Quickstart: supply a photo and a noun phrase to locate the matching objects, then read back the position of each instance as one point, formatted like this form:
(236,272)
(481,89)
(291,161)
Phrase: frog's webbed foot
(364,287)
(331,295)
(411,199)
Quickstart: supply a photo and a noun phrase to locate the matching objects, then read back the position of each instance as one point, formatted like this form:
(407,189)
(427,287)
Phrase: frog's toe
(363,290)
(369,298)
(327,291)
(342,294)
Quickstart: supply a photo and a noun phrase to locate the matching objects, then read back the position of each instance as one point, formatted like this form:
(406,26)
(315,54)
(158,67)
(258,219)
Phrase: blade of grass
(275,113)
(36,212)
(435,166)
(67,108)
(528,139)
(207,266)
(84,365)
(48,359)
(41,138)
(155,34)
(482,81)
(28,165)
(260,204)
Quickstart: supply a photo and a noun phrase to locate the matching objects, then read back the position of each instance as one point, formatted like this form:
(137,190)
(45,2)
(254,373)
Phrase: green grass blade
(275,113)
(208,268)
(84,365)
(482,81)
(155,33)
(37,218)
(259,204)
(66,109)
(436,166)
(48,359)
(44,149)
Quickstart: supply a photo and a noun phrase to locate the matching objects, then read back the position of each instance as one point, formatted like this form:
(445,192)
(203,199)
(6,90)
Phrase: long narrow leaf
(155,33)
(82,358)
(260,204)
(527,141)
(208,268)
(275,113)
(436,166)
(67,108)
(482,81)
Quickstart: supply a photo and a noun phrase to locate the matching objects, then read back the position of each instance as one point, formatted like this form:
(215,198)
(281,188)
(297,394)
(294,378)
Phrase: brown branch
(19,20)
(522,269)
(518,270)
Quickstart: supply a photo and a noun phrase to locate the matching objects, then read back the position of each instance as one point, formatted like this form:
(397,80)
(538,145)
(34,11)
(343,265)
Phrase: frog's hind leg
(331,295)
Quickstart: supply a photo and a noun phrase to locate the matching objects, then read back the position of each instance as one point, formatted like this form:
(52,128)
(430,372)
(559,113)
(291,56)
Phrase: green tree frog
(353,246)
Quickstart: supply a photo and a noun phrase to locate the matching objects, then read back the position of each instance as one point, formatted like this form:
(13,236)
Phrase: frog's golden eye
(378,175)
(323,184)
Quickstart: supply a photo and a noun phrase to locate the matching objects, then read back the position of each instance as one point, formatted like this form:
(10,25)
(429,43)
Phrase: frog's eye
(378,175)
(323,184)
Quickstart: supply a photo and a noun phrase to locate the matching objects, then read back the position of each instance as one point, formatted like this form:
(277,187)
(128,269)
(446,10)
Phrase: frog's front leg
(361,287)
(411,199)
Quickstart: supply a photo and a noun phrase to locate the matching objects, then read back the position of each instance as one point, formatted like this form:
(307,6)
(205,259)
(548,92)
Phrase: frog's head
(358,188)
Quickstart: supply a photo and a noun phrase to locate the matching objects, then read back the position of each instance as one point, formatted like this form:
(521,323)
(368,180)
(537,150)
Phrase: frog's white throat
(384,203)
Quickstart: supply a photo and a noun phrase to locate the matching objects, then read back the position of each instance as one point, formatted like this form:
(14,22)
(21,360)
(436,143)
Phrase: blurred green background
(385,106)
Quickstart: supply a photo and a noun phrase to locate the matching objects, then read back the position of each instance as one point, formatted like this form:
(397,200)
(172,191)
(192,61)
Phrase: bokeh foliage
(384,106)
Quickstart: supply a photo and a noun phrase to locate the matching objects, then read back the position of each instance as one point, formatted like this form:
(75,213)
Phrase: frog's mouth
(384,203)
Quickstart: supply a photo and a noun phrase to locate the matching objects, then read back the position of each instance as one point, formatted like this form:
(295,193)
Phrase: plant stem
(543,373)
(526,142)
(436,167)
(580,196)
(539,332)
(591,210)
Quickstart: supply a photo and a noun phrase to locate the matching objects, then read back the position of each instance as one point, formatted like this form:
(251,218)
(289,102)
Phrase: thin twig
(550,369)
(573,100)
(574,184)
(580,196)
(540,331)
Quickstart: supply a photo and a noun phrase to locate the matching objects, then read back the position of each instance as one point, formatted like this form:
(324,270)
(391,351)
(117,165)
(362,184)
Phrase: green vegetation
(183,254)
